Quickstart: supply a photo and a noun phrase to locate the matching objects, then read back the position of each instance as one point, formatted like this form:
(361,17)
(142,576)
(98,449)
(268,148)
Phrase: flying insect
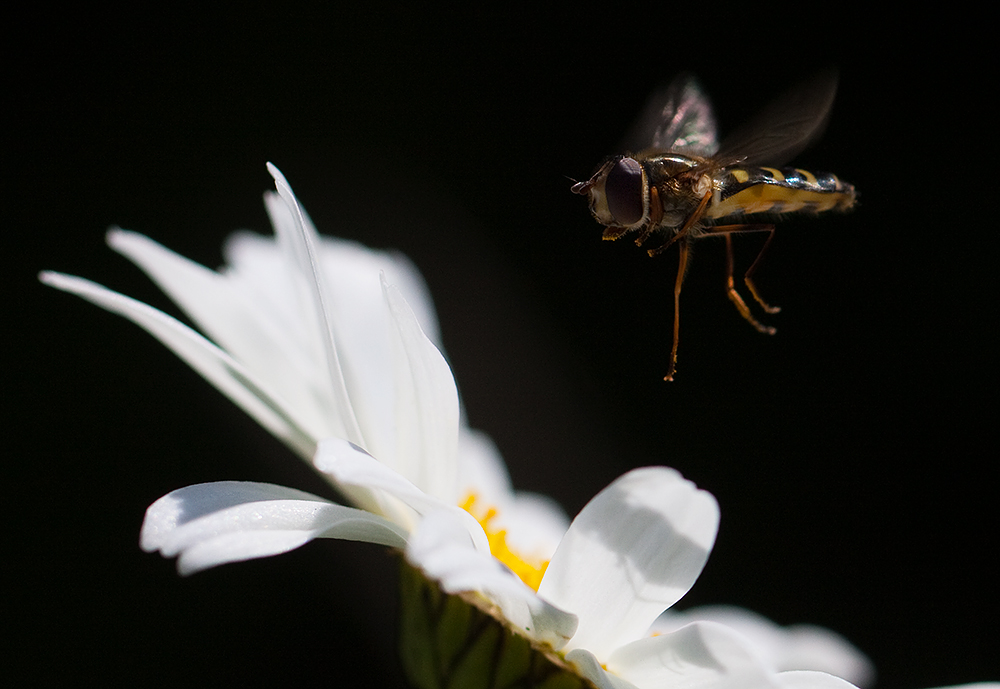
(676,180)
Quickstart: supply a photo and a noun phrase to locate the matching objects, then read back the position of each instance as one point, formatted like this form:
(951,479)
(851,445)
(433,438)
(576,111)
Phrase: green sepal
(458,642)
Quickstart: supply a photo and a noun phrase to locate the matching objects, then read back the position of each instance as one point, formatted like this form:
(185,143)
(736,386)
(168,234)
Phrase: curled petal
(814,648)
(211,524)
(587,665)
(443,550)
(798,647)
(632,552)
(701,654)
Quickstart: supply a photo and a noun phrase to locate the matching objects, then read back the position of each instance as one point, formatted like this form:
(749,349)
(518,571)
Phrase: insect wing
(784,128)
(677,118)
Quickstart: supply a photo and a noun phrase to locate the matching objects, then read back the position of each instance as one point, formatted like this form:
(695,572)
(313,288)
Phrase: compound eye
(624,191)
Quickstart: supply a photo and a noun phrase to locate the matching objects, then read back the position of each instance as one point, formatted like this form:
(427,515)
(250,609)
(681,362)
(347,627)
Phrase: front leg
(686,227)
(655,216)
(678,283)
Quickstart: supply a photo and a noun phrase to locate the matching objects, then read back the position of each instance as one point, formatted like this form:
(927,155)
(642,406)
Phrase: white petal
(815,648)
(378,489)
(353,301)
(211,524)
(345,260)
(444,551)
(399,389)
(361,321)
(300,238)
(799,647)
(426,400)
(701,654)
(342,257)
(226,374)
(370,485)
(401,272)
(535,525)
(356,306)
(481,469)
(587,665)
(632,552)
(237,319)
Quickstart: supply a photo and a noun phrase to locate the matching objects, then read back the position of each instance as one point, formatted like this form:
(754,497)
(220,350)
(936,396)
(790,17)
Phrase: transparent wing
(784,128)
(676,118)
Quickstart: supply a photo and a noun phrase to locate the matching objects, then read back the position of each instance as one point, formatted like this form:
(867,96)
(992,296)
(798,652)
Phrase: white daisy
(313,338)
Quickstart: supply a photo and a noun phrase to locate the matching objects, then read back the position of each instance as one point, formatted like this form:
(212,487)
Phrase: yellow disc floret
(528,569)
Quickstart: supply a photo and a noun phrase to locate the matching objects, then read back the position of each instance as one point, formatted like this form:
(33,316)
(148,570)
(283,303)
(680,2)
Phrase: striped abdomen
(746,190)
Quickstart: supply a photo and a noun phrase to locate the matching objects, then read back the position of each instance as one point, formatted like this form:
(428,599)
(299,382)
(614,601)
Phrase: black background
(850,453)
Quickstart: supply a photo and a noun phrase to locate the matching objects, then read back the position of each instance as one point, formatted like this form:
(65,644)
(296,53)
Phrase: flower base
(453,641)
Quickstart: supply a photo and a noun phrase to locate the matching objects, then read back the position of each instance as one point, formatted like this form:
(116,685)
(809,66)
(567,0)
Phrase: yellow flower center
(528,569)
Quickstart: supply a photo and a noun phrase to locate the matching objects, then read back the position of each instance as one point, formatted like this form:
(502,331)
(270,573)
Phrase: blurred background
(849,453)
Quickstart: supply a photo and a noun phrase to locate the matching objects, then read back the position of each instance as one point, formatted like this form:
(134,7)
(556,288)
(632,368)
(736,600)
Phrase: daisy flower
(314,339)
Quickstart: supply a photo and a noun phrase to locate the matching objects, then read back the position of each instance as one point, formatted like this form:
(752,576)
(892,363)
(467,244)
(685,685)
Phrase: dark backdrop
(850,453)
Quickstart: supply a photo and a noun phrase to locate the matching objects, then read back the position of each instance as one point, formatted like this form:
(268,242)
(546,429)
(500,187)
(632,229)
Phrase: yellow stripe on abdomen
(771,198)
(745,191)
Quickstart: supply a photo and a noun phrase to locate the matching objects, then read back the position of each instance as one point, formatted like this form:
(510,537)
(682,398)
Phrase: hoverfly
(684,183)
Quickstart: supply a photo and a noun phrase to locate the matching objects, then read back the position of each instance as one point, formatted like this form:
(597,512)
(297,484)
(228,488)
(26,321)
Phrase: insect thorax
(678,182)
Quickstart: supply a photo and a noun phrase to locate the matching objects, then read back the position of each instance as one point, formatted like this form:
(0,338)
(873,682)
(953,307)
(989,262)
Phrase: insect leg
(667,244)
(748,277)
(734,296)
(681,269)
(655,216)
